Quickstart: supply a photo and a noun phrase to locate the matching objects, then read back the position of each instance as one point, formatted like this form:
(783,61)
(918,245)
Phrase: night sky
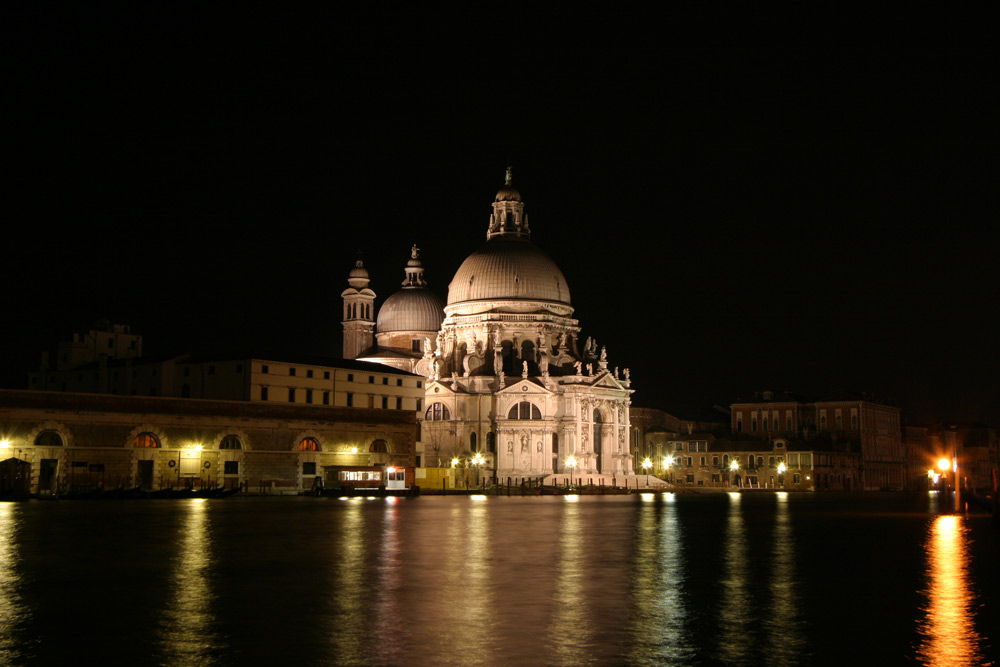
(792,202)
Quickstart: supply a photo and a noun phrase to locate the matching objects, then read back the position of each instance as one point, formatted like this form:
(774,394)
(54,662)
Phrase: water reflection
(13,612)
(348,628)
(948,628)
(661,615)
(186,633)
(569,632)
(785,632)
(737,609)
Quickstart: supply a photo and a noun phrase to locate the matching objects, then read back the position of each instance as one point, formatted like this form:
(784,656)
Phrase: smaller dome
(411,309)
(358,277)
(508,193)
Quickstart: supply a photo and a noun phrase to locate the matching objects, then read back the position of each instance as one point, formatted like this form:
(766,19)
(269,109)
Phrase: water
(695,579)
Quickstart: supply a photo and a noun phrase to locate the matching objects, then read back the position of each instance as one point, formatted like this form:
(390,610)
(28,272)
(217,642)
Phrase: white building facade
(506,374)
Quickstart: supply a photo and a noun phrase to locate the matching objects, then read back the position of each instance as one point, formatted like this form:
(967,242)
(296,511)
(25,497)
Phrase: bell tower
(508,217)
(359,315)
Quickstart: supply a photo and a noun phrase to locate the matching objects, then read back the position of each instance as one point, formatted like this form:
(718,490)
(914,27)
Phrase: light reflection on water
(186,634)
(948,628)
(660,632)
(350,597)
(568,634)
(13,611)
(737,609)
(656,579)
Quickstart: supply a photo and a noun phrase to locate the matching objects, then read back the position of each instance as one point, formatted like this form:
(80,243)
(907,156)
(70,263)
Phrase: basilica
(505,373)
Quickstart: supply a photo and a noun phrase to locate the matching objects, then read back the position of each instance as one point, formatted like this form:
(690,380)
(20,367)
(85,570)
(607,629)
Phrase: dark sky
(796,202)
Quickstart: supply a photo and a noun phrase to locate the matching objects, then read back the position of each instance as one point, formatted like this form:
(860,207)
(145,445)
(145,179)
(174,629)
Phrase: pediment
(526,386)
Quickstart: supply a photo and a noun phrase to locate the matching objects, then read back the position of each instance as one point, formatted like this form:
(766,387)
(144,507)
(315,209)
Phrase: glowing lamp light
(390,470)
(944,464)
(668,461)
(354,450)
(734,465)
(4,444)
(454,462)
(571,462)
(646,463)
(478,460)
(781,468)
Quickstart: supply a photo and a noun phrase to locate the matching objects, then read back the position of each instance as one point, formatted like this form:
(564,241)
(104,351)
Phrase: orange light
(944,464)
(390,469)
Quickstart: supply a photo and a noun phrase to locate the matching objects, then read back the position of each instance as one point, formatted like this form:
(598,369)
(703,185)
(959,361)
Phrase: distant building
(76,442)
(300,381)
(840,422)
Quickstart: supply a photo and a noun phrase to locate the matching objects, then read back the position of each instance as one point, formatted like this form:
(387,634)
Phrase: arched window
(231,442)
(308,445)
(473,442)
(48,439)
(491,442)
(379,447)
(146,439)
(524,410)
(437,412)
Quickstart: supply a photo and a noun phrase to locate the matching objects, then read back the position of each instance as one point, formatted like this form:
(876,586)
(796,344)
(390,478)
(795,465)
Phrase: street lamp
(571,463)
(478,461)
(734,466)
(646,463)
(781,474)
(667,462)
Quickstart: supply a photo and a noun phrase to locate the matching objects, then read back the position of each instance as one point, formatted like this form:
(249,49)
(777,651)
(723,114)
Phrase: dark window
(326,398)
(291,371)
(399,403)
(230,467)
(437,412)
(385,402)
(371,379)
(326,375)
(350,400)
(263,393)
(399,382)
(420,384)
(291,395)
(524,410)
(48,439)
(415,345)
(379,447)
(309,395)
(385,380)
(420,404)
(309,373)
(231,442)
(350,377)
(308,467)
(263,368)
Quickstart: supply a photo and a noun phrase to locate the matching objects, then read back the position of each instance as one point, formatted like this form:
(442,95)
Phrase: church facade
(507,376)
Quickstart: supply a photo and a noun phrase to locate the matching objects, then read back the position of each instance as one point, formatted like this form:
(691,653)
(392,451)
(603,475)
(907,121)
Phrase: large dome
(410,310)
(508,268)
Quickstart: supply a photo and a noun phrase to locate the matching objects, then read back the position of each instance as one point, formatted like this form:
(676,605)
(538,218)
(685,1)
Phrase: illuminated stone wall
(106,442)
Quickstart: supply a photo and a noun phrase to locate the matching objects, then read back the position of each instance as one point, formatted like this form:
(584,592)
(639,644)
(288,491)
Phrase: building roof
(508,268)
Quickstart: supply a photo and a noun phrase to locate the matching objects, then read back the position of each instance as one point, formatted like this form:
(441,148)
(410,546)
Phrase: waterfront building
(506,375)
(298,380)
(840,422)
(80,442)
